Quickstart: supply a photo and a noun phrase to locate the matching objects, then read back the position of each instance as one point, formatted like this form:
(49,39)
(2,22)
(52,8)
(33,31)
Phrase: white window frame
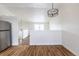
(39,27)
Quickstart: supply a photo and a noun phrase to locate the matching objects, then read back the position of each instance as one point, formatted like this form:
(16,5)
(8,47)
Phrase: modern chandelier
(52,12)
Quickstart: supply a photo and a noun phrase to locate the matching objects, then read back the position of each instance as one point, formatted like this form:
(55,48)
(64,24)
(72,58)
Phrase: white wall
(55,23)
(52,33)
(45,38)
(71,27)
(50,36)
(4,11)
(14,23)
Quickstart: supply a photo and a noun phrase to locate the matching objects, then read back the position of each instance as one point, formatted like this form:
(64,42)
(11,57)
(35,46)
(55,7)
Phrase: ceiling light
(52,12)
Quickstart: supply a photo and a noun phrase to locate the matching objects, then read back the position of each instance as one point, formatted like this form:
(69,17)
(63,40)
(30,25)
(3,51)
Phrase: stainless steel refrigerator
(5,35)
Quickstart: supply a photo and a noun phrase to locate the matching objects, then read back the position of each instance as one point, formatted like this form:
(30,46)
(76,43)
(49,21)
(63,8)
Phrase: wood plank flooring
(38,50)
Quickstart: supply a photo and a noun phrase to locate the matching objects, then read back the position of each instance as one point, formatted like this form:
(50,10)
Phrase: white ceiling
(34,5)
(31,5)
(30,11)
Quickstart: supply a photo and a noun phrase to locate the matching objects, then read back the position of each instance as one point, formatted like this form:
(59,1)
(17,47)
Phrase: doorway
(24,33)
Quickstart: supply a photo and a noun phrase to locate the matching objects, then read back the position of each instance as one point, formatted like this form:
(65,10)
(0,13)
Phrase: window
(39,26)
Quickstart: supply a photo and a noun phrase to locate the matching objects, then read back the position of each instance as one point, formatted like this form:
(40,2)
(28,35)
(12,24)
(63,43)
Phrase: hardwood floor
(39,50)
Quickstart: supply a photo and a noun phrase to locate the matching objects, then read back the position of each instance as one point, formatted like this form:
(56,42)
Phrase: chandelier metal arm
(52,5)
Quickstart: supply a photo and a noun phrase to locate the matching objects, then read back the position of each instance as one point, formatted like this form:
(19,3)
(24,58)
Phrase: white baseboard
(71,50)
(45,44)
(15,44)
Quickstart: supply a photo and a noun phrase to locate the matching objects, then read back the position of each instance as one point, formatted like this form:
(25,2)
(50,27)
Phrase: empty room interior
(39,29)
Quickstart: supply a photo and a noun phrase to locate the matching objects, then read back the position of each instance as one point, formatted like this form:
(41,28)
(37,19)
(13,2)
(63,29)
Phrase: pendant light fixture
(52,12)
